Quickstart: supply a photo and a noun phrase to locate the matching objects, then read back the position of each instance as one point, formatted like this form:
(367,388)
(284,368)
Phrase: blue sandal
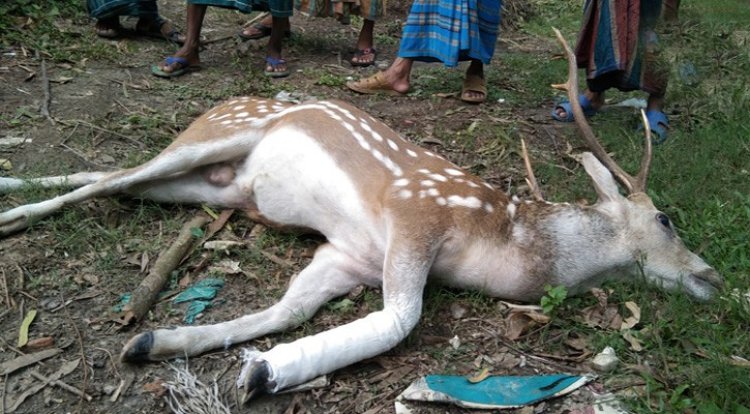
(183,68)
(273,63)
(659,124)
(588,109)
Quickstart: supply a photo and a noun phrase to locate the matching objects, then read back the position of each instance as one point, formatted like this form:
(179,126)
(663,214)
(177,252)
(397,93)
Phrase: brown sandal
(160,29)
(474,83)
(374,84)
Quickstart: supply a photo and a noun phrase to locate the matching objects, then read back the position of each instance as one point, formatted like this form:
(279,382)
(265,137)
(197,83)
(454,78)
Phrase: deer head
(648,234)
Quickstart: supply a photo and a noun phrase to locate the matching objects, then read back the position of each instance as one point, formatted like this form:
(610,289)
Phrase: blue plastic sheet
(494,391)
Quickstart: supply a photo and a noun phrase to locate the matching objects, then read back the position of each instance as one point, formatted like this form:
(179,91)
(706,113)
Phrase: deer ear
(604,182)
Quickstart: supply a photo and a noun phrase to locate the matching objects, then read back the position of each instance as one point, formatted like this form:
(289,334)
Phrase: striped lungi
(618,46)
(450,31)
(278,8)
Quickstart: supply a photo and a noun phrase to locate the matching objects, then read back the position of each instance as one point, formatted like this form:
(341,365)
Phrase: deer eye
(663,219)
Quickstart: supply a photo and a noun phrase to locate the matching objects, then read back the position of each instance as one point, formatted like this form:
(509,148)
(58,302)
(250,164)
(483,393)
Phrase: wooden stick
(62,385)
(145,294)
(47,94)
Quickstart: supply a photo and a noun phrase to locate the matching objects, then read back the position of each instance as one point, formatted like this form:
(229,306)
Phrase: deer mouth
(706,284)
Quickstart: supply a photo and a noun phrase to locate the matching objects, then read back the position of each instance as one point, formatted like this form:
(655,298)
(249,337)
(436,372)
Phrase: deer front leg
(330,274)
(404,276)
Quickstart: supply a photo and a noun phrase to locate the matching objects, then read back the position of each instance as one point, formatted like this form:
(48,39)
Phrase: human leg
(187,56)
(276,66)
(365,54)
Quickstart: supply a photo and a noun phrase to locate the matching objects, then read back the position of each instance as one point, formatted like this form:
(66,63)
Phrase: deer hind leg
(329,275)
(9,184)
(164,166)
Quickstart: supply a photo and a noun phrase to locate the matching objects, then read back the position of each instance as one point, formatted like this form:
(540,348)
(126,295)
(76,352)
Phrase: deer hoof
(138,348)
(253,380)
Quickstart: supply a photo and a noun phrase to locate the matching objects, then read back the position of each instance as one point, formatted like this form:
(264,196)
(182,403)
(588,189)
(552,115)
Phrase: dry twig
(145,294)
(47,94)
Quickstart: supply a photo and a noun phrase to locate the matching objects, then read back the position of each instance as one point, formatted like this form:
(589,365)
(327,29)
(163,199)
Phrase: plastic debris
(124,300)
(493,392)
(606,360)
(199,295)
(633,103)
(205,289)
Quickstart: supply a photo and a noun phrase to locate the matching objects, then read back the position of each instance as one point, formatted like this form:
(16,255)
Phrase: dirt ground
(95,104)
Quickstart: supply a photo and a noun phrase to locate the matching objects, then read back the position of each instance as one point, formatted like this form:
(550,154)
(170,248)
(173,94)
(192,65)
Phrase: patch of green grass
(700,178)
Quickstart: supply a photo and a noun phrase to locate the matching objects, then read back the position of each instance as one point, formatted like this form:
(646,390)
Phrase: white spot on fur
(405,194)
(472,184)
(454,172)
(438,177)
(427,183)
(511,210)
(422,193)
(441,201)
(411,153)
(469,202)
(227,122)
(392,145)
(488,186)
(403,182)
(423,171)
(223,116)
(515,199)
(433,192)
(377,136)
(429,154)
(488,207)
(238,108)
(242,114)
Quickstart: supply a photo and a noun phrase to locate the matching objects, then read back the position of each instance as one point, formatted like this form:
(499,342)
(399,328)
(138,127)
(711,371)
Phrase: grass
(700,178)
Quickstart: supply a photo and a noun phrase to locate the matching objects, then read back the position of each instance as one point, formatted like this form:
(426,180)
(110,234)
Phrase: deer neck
(540,244)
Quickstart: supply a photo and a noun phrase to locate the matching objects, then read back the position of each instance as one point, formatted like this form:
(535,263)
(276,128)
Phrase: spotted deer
(394,216)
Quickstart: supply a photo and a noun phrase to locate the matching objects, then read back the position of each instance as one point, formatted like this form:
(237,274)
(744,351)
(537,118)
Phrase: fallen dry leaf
(39,343)
(155,387)
(635,343)
(481,376)
(631,321)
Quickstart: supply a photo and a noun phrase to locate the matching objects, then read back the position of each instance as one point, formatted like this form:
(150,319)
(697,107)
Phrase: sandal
(474,83)
(374,84)
(363,52)
(659,124)
(261,31)
(160,29)
(588,109)
(183,67)
(273,63)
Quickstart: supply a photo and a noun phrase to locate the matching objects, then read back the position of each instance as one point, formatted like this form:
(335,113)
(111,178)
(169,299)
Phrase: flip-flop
(659,124)
(585,103)
(184,67)
(160,29)
(374,84)
(263,31)
(274,62)
(361,52)
(474,83)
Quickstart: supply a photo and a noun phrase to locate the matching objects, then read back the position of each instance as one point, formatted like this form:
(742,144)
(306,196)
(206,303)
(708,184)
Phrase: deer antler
(530,177)
(632,184)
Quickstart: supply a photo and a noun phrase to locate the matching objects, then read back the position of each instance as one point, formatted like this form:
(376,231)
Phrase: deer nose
(710,276)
